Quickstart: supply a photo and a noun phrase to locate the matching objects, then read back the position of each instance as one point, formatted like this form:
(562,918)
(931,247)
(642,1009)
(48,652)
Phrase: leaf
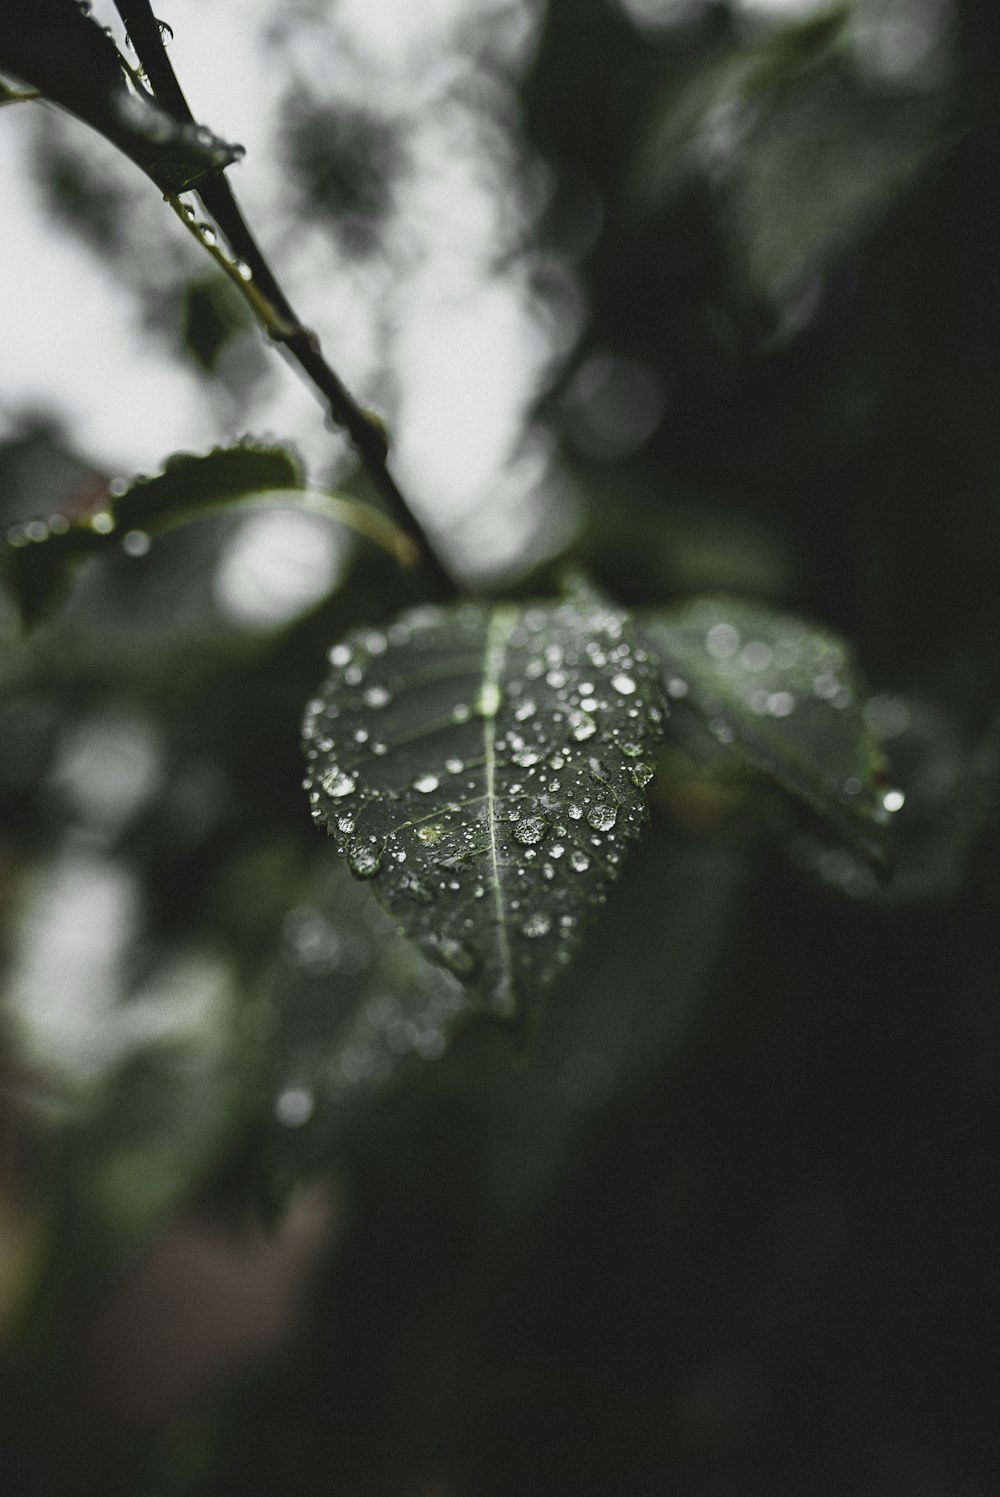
(483,765)
(57,48)
(41,554)
(824,165)
(785,694)
(351,1008)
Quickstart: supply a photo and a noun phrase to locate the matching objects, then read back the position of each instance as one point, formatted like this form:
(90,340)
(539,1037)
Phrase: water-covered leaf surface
(484,767)
(784,692)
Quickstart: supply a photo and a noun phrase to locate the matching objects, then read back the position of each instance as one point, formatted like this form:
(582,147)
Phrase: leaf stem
(253,276)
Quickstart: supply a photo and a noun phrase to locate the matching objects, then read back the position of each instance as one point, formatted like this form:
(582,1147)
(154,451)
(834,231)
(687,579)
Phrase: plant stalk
(262,290)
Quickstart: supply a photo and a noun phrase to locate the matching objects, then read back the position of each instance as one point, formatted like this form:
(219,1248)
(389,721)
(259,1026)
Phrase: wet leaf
(484,767)
(785,694)
(42,553)
(57,48)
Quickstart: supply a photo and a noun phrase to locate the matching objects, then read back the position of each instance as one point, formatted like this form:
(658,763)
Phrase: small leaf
(483,766)
(42,553)
(785,694)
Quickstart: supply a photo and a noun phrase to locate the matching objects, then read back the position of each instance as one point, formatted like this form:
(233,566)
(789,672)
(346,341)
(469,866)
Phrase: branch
(253,275)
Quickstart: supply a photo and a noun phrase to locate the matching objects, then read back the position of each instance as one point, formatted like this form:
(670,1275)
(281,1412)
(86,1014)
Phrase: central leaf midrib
(490,700)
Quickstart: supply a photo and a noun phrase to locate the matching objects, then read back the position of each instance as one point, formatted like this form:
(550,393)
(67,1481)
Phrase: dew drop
(893,800)
(425,783)
(722,641)
(294,1107)
(136,543)
(573,812)
(529,831)
(601,816)
(336,783)
(339,655)
(363,859)
(456,956)
(376,696)
(536,925)
(581,725)
(623,683)
(579,861)
(641,773)
(780,704)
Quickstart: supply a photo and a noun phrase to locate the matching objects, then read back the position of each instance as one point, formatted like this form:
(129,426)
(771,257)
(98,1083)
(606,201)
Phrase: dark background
(757,1253)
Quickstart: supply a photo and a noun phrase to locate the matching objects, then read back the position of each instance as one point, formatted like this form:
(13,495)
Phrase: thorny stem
(269,303)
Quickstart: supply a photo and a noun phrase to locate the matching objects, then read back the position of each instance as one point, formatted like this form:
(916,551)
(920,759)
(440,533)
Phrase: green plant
(481,764)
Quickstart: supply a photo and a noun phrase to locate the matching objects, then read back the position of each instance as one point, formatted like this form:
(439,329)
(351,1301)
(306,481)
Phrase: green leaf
(62,52)
(41,554)
(824,165)
(483,765)
(784,693)
(351,1008)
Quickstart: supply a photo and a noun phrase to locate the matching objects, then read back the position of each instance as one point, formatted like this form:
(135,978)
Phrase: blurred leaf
(806,153)
(41,554)
(593,1054)
(484,767)
(785,694)
(56,47)
(824,164)
(351,1006)
(346,162)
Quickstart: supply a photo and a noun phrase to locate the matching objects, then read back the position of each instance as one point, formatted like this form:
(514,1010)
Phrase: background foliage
(724,1223)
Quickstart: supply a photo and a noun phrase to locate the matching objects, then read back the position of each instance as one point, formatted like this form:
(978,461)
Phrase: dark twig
(366,433)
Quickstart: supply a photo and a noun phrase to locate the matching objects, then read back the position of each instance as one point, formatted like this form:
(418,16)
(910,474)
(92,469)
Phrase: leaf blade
(785,694)
(483,765)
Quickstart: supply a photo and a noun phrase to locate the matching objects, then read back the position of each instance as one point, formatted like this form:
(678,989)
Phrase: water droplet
(456,956)
(524,710)
(623,683)
(536,925)
(529,831)
(893,800)
(430,835)
(376,696)
(579,861)
(339,655)
(581,725)
(425,783)
(294,1107)
(363,859)
(781,704)
(677,688)
(573,812)
(601,816)
(454,766)
(640,774)
(103,522)
(722,641)
(243,270)
(337,783)
(136,543)
(345,824)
